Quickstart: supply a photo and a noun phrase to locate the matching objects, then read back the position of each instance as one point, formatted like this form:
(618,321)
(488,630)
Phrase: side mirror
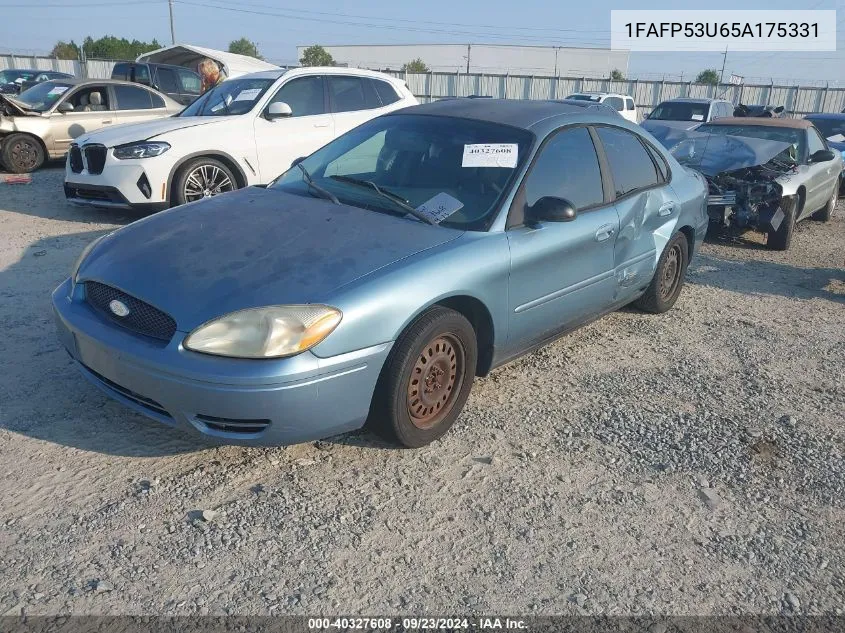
(778,109)
(278,110)
(65,106)
(822,156)
(296,161)
(550,209)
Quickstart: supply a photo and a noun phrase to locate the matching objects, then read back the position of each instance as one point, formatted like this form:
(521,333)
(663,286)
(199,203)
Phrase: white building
(484,58)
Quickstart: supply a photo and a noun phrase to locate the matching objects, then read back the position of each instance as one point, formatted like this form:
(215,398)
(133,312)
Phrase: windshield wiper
(398,200)
(328,195)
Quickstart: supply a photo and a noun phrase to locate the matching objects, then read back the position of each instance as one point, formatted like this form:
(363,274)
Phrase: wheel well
(479,316)
(689,233)
(236,170)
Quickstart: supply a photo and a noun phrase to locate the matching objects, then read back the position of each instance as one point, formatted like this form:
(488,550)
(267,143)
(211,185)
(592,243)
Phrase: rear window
(385,92)
(132,98)
(352,93)
(680,111)
(630,164)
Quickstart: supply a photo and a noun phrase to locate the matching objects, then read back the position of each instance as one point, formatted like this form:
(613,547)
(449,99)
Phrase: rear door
(353,100)
(281,141)
(561,272)
(133,104)
(647,206)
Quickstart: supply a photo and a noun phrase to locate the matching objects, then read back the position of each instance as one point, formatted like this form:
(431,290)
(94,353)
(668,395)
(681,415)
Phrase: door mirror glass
(278,110)
(550,209)
(822,156)
(65,106)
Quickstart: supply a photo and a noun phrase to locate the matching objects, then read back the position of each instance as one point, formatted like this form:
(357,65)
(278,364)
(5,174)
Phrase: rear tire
(201,178)
(22,153)
(826,212)
(781,239)
(426,380)
(665,286)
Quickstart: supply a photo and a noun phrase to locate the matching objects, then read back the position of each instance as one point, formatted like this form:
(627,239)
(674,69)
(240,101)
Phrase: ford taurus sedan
(376,278)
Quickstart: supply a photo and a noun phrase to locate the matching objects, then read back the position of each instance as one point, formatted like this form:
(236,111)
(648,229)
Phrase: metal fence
(797,100)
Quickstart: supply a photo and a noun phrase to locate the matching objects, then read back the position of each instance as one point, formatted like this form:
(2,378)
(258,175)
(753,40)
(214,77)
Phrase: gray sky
(279,26)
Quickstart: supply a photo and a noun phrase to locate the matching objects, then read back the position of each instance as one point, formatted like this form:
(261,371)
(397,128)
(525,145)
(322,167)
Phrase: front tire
(665,286)
(781,239)
(426,380)
(22,153)
(202,178)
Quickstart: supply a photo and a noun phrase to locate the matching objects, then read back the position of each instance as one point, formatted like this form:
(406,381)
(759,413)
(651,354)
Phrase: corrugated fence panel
(796,100)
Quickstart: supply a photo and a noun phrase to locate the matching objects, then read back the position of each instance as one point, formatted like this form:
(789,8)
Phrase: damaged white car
(765,174)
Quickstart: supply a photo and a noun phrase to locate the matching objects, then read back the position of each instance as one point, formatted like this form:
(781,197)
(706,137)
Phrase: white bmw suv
(246,131)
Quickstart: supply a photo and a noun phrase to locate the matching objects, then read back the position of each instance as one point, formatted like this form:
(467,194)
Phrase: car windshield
(236,96)
(452,171)
(41,97)
(829,127)
(10,76)
(680,111)
(782,134)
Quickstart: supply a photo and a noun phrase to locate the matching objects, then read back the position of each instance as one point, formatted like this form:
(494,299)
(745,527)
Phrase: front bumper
(122,184)
(233,401)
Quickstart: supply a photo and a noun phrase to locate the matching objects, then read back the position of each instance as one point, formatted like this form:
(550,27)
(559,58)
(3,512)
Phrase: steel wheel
(435,381)
(206,181)
(671,272)
(21,153)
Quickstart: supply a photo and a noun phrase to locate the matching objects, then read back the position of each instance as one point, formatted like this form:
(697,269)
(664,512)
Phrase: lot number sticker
(248,95)
(440,207)
(57,90)
(490,155)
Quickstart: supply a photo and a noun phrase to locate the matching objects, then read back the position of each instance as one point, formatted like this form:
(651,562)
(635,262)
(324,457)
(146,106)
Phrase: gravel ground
(688,464)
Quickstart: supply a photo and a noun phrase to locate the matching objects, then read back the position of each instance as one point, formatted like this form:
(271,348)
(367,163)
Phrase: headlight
(146,149)
(85,252)
(270,332)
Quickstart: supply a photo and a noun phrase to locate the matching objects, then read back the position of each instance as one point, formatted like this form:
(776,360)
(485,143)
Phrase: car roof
(693,100)
(516,113)
(797,124)
(318,70)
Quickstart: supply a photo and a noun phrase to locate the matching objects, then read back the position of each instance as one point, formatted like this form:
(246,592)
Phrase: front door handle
(322,124)
(604,232)
(106,122)
(666,209)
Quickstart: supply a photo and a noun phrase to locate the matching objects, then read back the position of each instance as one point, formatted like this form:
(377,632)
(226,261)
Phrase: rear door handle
(666,209)
(106,122)
(604,232)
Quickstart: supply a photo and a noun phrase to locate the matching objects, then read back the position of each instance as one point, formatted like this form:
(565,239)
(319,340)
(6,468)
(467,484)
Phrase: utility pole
(724,59)
(172,28)
(469,49)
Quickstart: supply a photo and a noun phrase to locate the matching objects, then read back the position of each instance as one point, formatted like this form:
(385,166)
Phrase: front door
(821,176)
(92,110)
(561,272)
(281,141)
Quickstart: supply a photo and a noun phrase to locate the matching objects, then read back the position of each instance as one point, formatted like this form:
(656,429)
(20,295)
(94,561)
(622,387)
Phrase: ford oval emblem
(118,308)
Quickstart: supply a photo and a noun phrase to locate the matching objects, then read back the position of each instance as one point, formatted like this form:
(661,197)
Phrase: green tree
(616,75)
(65,50)
(709,76)
(316,56)
(246,47)
(415,66)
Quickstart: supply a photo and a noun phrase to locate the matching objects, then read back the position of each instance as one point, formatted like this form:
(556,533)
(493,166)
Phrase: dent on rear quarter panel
(378,307)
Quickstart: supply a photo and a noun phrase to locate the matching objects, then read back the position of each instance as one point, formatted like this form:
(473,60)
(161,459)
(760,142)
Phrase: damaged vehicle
(763,111)
(764,174)
(40,123)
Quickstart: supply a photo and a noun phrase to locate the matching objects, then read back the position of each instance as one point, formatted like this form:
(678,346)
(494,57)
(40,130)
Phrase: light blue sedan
(376,278)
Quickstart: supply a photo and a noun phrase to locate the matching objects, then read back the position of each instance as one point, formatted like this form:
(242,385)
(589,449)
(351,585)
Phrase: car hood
(712,154)
(129,133)
(250,248)
(15,107)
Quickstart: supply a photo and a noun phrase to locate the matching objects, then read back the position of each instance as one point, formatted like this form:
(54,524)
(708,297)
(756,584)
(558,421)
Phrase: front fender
(378,307)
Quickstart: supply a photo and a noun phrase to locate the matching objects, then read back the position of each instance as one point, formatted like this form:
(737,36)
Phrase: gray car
(378,276)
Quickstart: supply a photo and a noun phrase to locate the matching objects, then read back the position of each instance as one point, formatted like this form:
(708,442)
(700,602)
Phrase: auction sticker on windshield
(57,90)
(248,95)
(440,207)
(490,155)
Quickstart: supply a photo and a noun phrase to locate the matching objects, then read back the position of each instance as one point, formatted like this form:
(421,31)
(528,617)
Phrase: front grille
(93,194)
(75,159)
(142,318)
(147,403)
(95,157)
(230,425)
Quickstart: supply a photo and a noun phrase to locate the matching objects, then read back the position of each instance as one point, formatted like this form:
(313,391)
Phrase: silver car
(41,122)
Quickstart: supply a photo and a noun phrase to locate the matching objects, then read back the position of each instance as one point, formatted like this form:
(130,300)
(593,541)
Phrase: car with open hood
(40,123)
(376,278)
(245,131)
(765,174)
